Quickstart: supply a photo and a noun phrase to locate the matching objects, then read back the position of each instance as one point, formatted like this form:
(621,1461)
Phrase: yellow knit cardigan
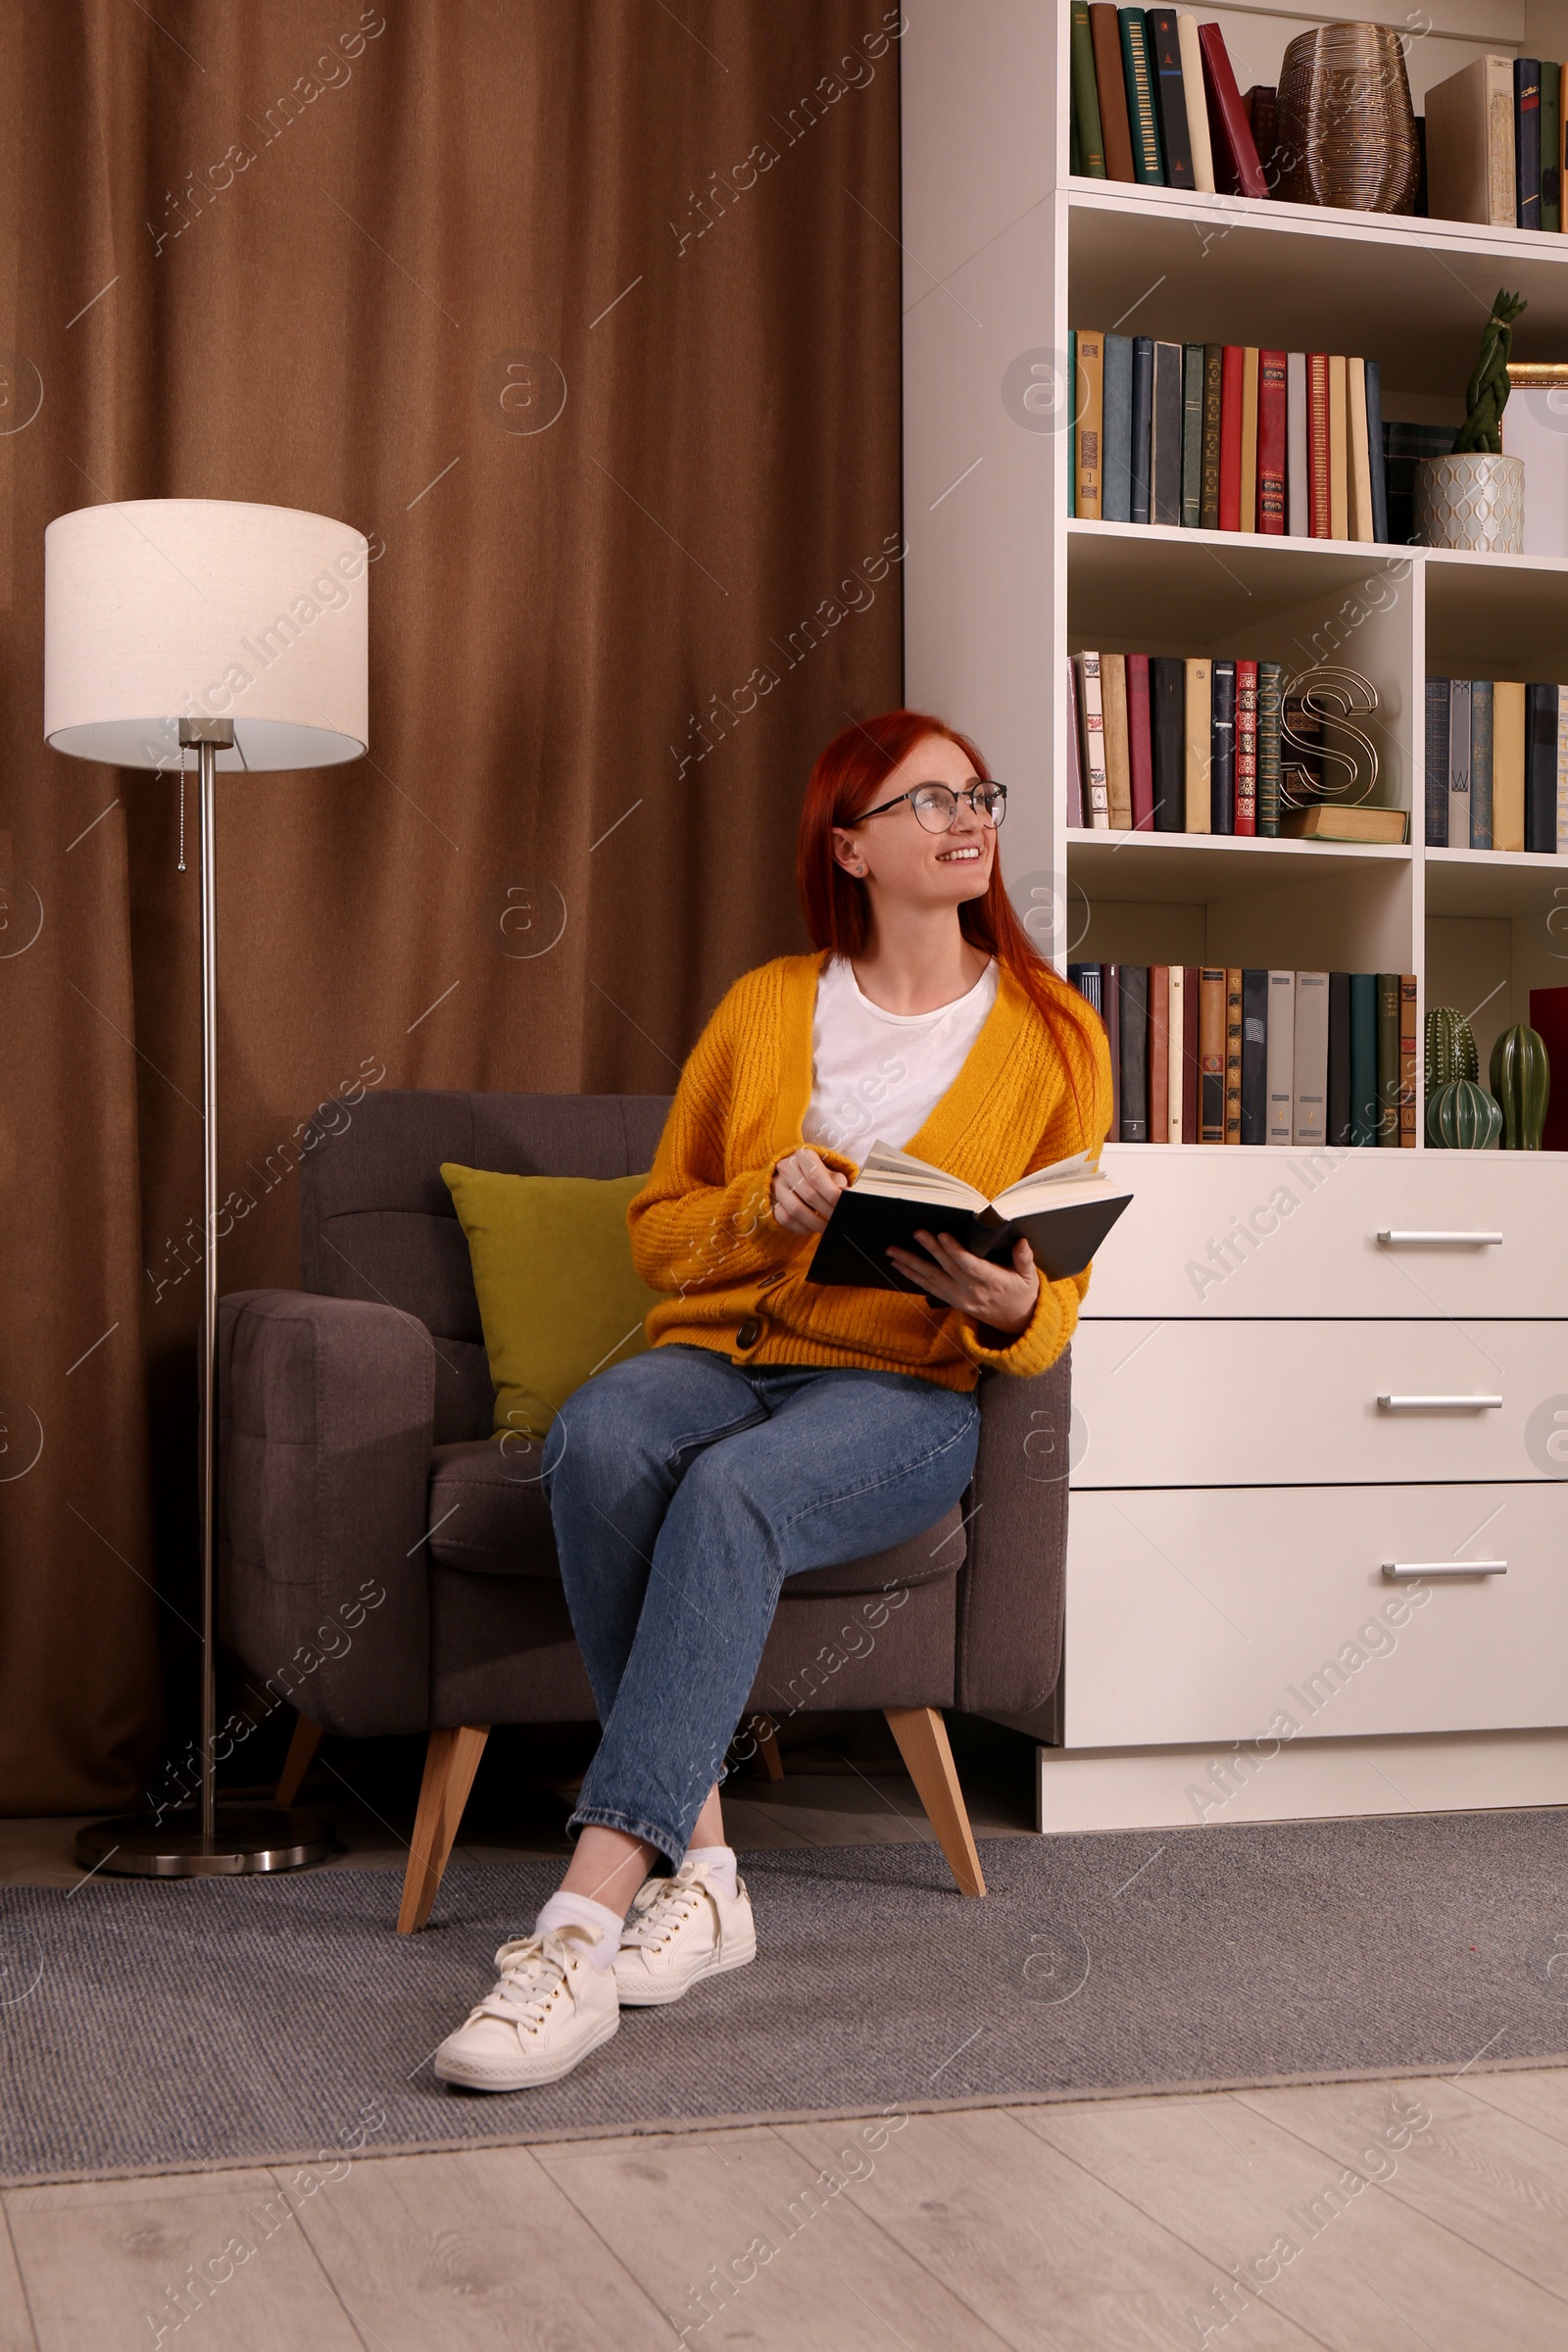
(703,1227)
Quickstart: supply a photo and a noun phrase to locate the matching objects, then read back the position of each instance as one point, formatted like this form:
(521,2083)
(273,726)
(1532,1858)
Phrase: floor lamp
(239,634)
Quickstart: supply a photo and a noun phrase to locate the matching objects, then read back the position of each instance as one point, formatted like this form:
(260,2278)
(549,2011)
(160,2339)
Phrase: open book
(1064,1212)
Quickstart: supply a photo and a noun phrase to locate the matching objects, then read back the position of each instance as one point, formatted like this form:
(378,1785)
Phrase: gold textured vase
(1346,127)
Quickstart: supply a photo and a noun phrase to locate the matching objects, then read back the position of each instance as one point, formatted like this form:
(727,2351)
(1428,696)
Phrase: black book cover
(1374,450)
(1135,1053)
(1527,141)
(1540,769)
(1255,1057)
(1167,723)
(1222,742)
(1110,1015)
(1166,437)
(1142,422)
(1166,64)
(1085,978)
(852,1253)
(1338,1127)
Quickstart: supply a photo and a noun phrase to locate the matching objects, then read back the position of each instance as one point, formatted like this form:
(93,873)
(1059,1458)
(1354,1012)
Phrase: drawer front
(1202,1617)
(1219,1404)
(1216,1234)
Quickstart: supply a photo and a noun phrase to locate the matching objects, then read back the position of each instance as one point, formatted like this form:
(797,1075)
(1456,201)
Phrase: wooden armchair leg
(450,1763)
(922,1738)
(767,1731)
(308,1737)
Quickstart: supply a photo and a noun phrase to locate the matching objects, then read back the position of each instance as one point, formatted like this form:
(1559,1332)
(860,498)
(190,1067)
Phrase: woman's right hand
(805,1191)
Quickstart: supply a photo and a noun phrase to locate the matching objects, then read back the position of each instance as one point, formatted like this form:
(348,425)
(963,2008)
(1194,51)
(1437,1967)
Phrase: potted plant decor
(1475,498)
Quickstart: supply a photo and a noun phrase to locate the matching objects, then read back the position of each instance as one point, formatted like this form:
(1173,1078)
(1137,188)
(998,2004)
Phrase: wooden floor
(1365,2216)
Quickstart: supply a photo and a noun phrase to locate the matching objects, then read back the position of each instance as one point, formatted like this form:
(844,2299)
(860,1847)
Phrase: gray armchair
(387,1565)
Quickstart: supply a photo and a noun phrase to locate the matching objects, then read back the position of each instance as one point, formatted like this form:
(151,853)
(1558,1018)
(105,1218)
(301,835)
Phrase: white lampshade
(164,608)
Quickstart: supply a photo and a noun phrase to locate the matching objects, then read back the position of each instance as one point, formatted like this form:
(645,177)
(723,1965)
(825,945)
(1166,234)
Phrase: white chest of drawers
(1318,1537)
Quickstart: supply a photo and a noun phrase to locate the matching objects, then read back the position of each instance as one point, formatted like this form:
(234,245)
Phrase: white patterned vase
(1477,500)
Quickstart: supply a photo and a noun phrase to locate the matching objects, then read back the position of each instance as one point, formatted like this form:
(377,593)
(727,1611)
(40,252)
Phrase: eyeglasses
(937,804)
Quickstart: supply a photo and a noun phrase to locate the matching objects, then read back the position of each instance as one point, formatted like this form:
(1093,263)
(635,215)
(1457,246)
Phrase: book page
(1063,1184)
(894,1175)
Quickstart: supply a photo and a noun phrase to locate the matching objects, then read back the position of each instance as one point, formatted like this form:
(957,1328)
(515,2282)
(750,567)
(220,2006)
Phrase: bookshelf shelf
(1512,885)
(1129,582)
(1150,868)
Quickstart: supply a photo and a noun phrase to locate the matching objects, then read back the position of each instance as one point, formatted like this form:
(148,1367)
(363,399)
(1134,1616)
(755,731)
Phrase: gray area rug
(150,2027)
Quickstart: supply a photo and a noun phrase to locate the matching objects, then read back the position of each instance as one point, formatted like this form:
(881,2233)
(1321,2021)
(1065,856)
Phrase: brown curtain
(587,312)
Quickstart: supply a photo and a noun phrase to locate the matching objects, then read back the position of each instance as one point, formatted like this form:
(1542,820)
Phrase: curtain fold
(587,312)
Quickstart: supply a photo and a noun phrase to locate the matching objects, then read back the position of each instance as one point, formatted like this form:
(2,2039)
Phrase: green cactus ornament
(1461,1116)
(1521,1080)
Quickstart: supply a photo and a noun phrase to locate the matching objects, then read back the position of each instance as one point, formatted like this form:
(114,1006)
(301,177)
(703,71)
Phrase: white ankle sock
(565,1910)
(720,1861)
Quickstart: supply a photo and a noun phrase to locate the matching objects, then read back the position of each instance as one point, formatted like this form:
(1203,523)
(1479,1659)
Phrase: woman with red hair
(774,1425)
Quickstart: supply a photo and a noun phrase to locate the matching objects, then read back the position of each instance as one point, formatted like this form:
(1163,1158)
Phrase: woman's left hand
(1001,1297)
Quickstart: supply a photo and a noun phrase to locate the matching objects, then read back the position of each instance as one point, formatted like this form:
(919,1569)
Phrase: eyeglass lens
(937,804)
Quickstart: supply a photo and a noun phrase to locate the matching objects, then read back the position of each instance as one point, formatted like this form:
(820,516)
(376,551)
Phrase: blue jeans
(684,1490)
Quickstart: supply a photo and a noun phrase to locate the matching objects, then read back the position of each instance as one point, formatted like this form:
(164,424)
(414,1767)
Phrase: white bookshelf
(1004,252)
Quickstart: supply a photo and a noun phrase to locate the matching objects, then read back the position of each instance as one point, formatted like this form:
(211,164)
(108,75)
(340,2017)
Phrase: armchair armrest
(325,1419)
(1012,1587)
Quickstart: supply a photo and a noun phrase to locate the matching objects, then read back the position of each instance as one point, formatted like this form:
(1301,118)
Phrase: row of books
(1494,143)
(1497,766)
(1166,744)
(1206,1053)
(1226,437)
(1155,102)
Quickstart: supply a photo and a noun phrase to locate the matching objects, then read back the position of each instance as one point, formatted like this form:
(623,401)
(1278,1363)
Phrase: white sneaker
(549,2006)
(682,1929)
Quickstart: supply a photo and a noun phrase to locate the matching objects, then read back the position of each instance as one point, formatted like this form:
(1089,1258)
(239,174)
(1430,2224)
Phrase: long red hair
(850,774)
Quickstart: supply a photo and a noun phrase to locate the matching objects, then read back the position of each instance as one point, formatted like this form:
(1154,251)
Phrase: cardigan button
(750,1332)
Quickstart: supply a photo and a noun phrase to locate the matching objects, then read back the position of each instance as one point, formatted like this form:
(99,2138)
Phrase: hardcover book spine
(1363,1058)
(1143,424)
(1196,104)
(1262,104)
(1133,1053)
(1222,760)
(1271,440)
(1191,1065)
(1176,996)
(1407,1061)
(1338,451)
(1110,992)
(1311,1059)
(1086,95)
(1550,145)
(1359,453)
(1320,508)
(1248,482)
(1165,57)
(1339,1131)
(1094,710)
(1481,763)
(1254,1057)
(1147,163)
(1199,719)
(1116,405)
(1073,394)
(1159,1062)
(1233,369)
(1166,437)
(1237,170)
(1192,436)
(1105,34)
(1548,1017)
(1140,743)
(1298,499)
(1085,978)
(1458,763)
(1166,679)
(1373,376)
(1247,747)
(1501,167)
(1213,378)
(1118,776)
(1507,763)
(1211,1054)
(1233,1053)
(1562,800)
(1271,700)
(1388,1106)
(1075,754)
(1527,141)
(1540,778)
(1090,383)
(1437,764)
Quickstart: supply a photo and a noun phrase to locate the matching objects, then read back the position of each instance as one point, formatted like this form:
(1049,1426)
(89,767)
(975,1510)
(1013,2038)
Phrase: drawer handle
(1403,1568)
(1417,1241)
(1441,1404)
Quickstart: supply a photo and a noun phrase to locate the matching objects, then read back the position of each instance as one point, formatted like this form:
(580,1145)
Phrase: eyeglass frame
(960,792)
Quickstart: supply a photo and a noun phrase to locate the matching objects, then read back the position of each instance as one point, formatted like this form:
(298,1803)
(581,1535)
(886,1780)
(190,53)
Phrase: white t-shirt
(877,1076)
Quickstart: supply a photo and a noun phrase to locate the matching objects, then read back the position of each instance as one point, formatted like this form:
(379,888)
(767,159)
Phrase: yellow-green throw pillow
(558,1296)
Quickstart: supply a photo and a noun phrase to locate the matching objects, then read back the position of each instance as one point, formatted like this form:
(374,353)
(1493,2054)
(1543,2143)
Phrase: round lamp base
(248,1838)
